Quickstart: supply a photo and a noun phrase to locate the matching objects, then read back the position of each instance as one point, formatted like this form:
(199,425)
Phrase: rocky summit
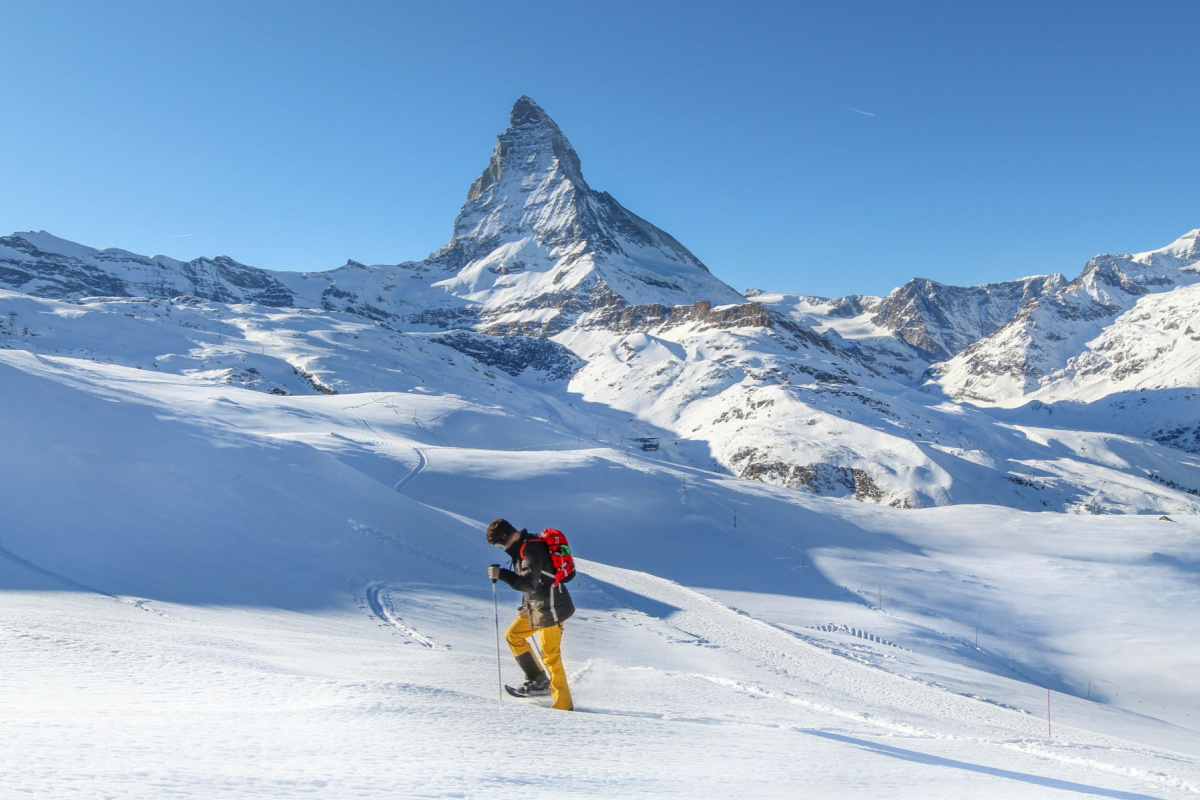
(1038,393)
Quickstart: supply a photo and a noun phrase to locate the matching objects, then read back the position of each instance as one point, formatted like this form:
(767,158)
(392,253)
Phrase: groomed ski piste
(209,591)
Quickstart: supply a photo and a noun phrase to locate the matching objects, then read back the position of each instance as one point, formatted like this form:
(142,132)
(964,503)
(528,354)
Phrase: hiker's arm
(536,558)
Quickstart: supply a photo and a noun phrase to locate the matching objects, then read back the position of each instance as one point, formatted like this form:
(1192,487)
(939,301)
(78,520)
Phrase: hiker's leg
(552,655)
(516,635)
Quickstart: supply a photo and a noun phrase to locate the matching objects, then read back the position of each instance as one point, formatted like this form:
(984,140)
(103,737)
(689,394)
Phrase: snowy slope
(237,592)
(1141,375)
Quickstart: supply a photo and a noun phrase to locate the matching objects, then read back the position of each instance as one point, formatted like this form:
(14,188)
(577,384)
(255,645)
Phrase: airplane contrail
(181,236)
(857,111)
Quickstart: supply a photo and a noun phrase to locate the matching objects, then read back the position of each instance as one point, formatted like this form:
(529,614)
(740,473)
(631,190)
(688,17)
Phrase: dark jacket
(533,575)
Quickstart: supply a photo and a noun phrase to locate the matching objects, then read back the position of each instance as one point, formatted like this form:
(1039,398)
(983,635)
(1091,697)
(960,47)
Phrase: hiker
(546,606)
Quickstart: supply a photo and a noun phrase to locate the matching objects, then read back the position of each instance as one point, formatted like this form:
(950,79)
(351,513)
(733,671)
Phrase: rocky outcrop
(830,480)
(516,355)
(625,319)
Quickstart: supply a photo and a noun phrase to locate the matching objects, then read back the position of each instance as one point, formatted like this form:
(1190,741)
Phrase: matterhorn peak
(532,233)
(533,145)
(531,186)
(525,112)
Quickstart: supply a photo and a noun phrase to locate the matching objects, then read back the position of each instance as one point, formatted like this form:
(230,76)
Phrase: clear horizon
(827,151)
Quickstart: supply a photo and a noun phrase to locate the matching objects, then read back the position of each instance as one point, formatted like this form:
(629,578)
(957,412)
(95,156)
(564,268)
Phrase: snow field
(284,596)
(201,701)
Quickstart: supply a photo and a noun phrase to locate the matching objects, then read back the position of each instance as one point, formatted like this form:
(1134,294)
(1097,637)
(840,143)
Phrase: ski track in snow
(350,410)
(379,601)
(422,459)
(422,463)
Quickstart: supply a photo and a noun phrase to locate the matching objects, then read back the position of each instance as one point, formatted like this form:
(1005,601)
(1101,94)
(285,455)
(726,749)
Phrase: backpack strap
(553,576)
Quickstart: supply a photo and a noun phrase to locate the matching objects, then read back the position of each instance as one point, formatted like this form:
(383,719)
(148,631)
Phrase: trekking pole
(496,608)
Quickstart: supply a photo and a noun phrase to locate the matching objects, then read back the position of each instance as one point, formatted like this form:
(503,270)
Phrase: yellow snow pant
(551,641)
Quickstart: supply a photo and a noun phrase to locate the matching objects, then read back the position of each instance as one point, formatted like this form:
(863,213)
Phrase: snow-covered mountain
(533,234)
(556,286)
(40,264)
(1117,347)
(1050,340)
(533,247)
(938,321)
(917,324)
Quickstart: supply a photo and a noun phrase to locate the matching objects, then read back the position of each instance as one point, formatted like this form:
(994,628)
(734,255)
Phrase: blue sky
(998,140)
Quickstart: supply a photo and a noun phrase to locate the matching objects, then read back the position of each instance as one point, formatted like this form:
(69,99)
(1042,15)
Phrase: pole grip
(497,566)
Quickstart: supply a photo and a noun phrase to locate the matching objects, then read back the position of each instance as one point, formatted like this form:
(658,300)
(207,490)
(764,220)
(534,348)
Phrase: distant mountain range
(1040,393)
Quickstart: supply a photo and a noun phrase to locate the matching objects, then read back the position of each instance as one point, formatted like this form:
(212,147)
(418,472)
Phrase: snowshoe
(534,688)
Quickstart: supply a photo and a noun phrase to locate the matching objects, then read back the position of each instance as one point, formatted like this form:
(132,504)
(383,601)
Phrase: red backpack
(560,555)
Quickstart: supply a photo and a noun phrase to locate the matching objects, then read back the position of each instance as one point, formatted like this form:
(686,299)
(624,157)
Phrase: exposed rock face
(938,321)
(830,480)
(515,354)
(631,319)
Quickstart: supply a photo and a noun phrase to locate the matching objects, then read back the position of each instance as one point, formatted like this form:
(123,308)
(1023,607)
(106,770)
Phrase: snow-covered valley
(242,551)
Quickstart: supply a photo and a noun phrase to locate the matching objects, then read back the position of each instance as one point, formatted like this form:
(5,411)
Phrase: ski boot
(537,687)
(536,683)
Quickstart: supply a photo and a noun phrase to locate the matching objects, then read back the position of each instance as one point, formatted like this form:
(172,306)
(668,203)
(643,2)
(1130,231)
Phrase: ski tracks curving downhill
(422,462)
(380,603)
